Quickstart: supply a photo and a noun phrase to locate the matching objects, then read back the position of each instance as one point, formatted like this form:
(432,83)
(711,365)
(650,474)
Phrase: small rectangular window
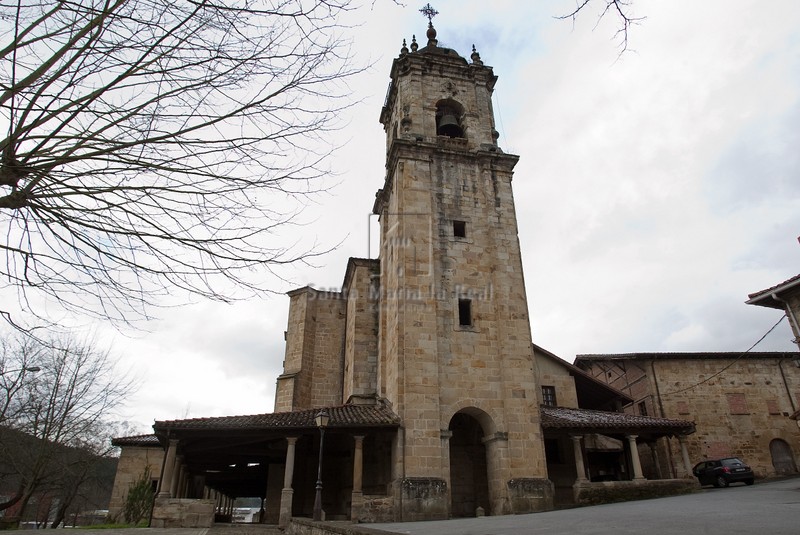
(642,408)
(460,229)
(465,312)
(549,396)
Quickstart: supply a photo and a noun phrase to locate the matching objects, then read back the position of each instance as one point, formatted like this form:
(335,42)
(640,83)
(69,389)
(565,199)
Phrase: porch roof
(341,417)
(143,441)
(585,420)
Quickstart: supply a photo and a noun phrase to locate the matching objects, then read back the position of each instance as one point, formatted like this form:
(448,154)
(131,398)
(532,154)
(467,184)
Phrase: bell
(448,126)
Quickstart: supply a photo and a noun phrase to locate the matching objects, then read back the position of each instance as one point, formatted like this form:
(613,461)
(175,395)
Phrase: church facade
(440,405)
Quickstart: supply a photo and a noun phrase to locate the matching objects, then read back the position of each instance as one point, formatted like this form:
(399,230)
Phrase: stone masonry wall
(740,406)
(313,363)
(133,461)
(361,338)
(738,412)
(550,373)
(327,351)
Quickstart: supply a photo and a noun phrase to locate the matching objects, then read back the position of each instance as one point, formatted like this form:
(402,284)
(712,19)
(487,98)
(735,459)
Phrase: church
(416,392)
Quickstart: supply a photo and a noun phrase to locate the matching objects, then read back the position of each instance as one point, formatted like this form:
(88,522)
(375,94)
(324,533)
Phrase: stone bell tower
(455,352)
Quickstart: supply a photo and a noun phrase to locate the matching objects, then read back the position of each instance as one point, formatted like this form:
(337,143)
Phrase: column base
(286,508)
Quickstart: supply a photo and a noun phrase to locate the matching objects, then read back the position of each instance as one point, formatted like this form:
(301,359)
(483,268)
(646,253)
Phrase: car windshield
(731,462)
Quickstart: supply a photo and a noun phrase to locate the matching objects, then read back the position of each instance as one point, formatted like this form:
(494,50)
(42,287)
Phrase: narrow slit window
(460,229)
(465,312)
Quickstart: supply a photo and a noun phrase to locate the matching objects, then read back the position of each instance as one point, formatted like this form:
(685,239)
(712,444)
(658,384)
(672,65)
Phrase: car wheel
(721,482)
(749,482)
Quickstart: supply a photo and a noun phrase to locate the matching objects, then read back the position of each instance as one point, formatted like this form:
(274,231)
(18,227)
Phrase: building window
(643,408)
(465,312)
(460,229)
(549,396)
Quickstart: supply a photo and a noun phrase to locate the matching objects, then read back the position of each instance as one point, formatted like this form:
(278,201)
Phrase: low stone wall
(377,509)
(588,493)
(305,526)
(530,495)
(182,513)
(424,498)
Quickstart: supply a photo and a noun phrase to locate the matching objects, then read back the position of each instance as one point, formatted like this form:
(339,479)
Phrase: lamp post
(32,369)
(322,420)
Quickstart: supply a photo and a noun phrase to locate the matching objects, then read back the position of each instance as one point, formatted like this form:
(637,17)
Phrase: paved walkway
(771,508)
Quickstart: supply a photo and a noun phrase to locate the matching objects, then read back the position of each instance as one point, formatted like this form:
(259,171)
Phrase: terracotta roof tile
(136,440)
(779,286)
(341,417)
(561,417)
(707,355)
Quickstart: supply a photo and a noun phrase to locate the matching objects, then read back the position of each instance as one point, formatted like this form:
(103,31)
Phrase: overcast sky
(655,190)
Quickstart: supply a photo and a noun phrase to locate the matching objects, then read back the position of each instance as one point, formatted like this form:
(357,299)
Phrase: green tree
(139,501)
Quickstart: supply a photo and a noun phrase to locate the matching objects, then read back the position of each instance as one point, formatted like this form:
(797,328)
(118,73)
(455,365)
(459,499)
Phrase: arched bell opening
(448,119)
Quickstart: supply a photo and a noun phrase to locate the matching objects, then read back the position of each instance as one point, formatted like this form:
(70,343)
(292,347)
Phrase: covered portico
(274,457)
(590,449)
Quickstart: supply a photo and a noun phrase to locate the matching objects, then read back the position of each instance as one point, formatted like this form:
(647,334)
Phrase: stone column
(500,501)
(687,464)
(169,470)
(287,491)
(578,450)
(445,436)
(357,497)
(176,477)
(654,453)
(637,464)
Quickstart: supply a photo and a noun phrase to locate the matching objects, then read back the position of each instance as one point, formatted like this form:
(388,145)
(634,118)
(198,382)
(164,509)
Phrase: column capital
(292,440)
(446,434)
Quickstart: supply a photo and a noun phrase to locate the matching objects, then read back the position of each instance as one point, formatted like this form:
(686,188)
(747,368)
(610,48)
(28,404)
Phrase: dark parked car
(723,472)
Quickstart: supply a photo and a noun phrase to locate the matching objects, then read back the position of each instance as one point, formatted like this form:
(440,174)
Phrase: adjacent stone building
(740,403)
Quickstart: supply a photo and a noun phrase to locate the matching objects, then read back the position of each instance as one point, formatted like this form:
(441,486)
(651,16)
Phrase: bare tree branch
(57,398)
(156,146)
(621,9)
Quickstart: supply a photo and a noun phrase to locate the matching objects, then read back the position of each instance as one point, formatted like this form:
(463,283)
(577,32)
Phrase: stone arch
(474,409)
(449,117)
(782,457)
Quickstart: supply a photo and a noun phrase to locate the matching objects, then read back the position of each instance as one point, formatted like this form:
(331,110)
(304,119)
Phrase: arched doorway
(782,457)
(469,485)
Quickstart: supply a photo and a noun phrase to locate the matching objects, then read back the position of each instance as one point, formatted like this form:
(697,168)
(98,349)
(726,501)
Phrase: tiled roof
(136,440)
(707,355)
(588,420)
(789,282)
(341,417)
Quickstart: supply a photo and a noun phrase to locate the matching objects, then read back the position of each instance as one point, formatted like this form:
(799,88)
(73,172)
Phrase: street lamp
(322,418)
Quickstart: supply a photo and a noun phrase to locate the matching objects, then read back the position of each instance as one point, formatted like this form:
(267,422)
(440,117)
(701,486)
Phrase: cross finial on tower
(429,12)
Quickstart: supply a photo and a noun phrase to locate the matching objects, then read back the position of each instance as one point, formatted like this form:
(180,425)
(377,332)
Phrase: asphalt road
(771,508)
